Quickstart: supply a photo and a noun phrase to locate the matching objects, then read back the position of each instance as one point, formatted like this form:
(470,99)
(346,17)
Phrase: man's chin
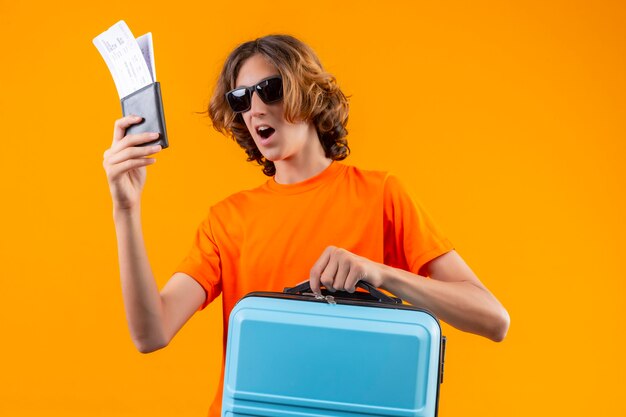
(272,156)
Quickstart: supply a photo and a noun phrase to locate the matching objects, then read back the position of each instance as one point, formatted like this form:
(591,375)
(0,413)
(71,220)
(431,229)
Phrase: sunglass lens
(270,90)
(239,100)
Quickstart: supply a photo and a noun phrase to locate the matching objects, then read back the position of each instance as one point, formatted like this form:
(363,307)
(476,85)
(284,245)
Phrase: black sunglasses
(270,90)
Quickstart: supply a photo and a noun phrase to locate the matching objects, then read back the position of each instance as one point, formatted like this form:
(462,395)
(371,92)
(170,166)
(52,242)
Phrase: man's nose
(256,105)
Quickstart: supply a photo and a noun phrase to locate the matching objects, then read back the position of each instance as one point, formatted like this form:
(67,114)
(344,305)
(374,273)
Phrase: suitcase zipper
(328,298)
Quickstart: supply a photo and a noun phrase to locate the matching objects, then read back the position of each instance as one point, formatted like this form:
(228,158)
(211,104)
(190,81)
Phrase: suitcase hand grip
(373,291)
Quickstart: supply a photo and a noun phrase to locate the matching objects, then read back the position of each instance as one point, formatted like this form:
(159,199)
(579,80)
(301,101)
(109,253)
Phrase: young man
(315,217)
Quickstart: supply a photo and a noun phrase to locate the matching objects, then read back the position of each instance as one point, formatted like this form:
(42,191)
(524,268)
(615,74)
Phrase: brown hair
(310,94)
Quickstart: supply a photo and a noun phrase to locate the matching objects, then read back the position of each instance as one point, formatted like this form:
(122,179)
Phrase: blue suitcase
(336,354)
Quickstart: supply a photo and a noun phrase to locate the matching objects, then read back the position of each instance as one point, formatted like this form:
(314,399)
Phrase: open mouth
(265,131)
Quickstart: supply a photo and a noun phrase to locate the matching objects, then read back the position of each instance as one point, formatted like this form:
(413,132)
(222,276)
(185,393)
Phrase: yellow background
(505,119)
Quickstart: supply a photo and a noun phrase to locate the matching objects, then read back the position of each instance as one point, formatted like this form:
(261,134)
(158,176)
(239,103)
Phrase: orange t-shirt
(268,238)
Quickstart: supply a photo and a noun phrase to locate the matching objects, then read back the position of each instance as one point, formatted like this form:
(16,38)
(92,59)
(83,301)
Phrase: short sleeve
(203,262)
(411,237)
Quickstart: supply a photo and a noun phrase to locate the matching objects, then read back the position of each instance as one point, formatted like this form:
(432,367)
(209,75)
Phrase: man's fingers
(343,268)
(318,268)
(130,141)
(133,140)
(355,275)
(132,153)
(123,167)
(328,276)
(120,126)
(339,270)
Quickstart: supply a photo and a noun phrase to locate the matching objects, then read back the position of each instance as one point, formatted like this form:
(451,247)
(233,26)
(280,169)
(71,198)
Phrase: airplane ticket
(131,65)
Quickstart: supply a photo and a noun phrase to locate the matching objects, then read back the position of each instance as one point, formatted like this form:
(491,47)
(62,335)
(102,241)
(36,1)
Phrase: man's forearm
(461,304)
(142,300)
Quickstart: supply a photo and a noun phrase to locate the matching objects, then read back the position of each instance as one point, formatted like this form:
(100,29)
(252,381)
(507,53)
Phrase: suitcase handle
(372,290)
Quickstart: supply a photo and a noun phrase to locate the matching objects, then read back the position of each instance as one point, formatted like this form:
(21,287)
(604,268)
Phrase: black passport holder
(147,103)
